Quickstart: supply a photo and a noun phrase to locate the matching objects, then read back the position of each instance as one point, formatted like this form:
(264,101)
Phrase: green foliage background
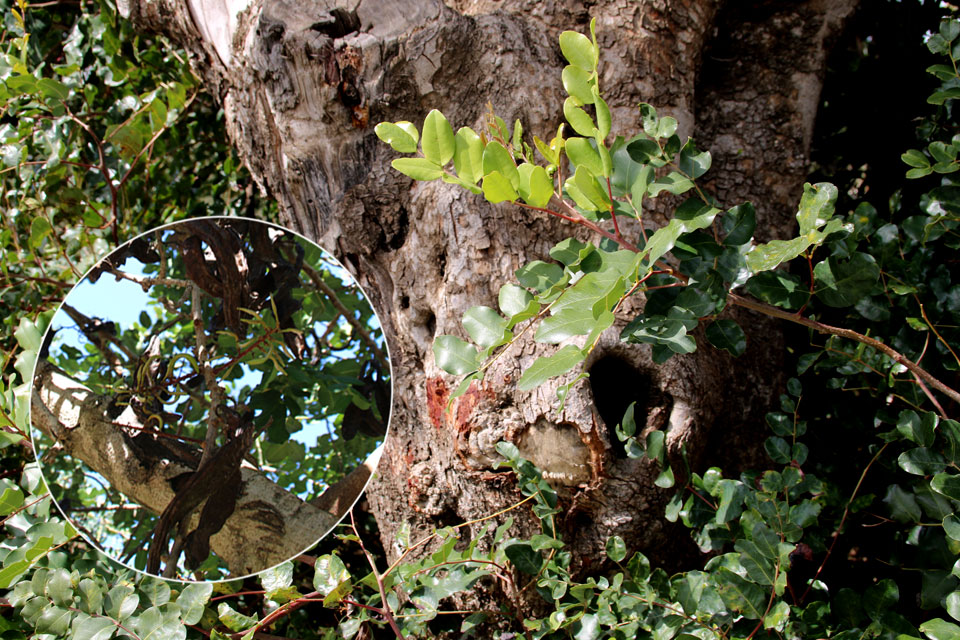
(853,532)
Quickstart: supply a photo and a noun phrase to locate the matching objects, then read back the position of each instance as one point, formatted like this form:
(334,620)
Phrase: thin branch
(898,357)
(360,329)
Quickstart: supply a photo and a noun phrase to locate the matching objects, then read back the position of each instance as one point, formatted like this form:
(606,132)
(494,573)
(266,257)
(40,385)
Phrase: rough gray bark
(303,84)
(269,524)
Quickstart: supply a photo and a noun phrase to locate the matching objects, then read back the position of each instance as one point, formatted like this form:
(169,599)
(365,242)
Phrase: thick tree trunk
(303,84)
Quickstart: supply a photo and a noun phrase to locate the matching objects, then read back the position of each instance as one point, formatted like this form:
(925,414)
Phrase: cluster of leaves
(686,268)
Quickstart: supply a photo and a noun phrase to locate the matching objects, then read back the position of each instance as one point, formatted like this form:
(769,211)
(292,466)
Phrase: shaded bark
(303,84)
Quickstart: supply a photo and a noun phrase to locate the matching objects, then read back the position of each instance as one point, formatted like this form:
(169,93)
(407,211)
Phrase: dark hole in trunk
(616,383)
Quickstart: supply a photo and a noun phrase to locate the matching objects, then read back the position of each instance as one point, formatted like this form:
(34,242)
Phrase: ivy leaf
(921,461)
(841,283)
(692,162)
(455,356)
(726,334)
(744,597)
(903,505)
(779,288)
(917,429)
(437,140)
(524,558)
(739,224)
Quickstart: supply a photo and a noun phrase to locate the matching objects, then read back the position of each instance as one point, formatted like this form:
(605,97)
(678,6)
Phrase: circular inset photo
(211,399)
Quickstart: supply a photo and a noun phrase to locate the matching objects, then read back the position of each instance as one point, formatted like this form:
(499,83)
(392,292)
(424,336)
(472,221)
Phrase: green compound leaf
(816,206)
(497,188)
(524,557)
(578,118)
(779,288)
(616,548)
(578,83)
(485,326)
(578,50)
(744,597)
(468,156)
(455,356)
(552,366)
(536,187)
(739,224)
(726,334)
(539,275)
(583,154)
(395,136)
(497,159)
(192,601)
(418,168)
(437,141)
(841,283)
(693,162)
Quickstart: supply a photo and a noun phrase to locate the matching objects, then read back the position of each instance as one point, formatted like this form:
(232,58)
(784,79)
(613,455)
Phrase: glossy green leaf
(674,182)
(726,334)
(40,228)
(779,288)
(578,118)
(589,185)
(437,140)
(515,301)
(418,168)
(744,597)
(940,629)
(329,570)
(468,156)
(485,326)
(916,427)
(497,188)
(921,461)
(841,283)
(771,254)
(739,224)
(93,628)
(578,83)
(578,50)
(496,159)
(547,367)
(604,118)
(573,321)
(455,356)
(616,548)
(192,601)
(536,187)
(903,504)
(583,154)
(692,162)
(539,275)
(816,206)
(398,138)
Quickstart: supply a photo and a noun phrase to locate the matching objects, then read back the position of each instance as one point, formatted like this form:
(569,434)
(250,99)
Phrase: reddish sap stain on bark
(437,394)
